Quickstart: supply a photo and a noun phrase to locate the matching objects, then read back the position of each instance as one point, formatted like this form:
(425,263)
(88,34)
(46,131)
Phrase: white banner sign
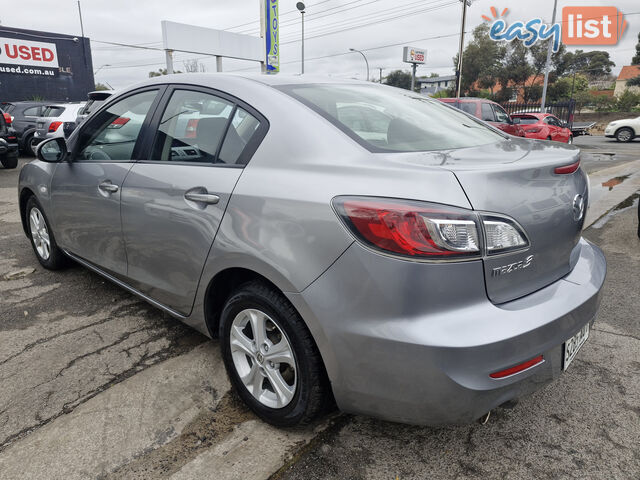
(414,55)
(24,52)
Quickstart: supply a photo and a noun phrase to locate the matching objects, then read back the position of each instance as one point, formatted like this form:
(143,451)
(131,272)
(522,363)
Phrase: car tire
(9,162)
(49,254)
(307,392)
(549,138)
(624,134)
(27,148)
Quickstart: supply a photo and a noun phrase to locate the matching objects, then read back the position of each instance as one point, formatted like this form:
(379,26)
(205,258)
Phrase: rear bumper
(416,343)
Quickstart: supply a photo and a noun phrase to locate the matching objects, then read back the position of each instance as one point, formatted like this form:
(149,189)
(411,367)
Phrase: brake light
(533,129)
(192,128)
(567,169)
(119,122)
(411,229)
(518,368)
(428,230)
(7,118)
(53,126)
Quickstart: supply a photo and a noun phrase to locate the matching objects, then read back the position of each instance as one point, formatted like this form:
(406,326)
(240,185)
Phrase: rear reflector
(567,168)
(517,368)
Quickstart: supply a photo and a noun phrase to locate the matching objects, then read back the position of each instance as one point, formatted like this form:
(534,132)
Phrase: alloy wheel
(624,135)
(39,233)
(263,358)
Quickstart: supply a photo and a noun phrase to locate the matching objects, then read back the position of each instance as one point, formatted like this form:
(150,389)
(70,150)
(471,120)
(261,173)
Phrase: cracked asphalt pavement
(96,384)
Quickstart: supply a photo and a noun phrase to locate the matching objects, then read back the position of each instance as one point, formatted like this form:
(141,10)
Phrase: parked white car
(623,130)
(54,116)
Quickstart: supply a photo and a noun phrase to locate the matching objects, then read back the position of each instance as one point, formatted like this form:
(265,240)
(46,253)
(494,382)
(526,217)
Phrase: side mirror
(516,120)
(53,150)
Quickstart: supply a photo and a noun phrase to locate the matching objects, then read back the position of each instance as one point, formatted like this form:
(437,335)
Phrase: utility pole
(300,6)
(380,68)
(84,51)
(547,66)
(465,4)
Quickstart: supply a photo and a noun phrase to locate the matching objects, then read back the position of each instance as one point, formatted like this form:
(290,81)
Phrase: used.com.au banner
(21,56)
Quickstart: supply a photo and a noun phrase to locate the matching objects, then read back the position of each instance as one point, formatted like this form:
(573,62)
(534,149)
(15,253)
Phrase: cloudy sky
(332,27)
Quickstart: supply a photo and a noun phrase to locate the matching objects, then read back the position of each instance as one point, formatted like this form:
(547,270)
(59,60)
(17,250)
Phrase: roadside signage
(414,55)
(18,56)
(272,37)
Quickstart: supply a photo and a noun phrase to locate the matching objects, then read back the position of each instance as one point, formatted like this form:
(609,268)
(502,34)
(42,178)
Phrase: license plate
(572,346)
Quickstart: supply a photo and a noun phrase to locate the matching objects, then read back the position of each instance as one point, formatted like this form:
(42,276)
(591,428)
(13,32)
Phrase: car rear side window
(113,133)
(31,112)
(203,128)
(385,119)
(192,127)
(52,111)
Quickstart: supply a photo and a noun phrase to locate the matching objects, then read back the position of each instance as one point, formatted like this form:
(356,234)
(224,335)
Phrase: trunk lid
(516,178)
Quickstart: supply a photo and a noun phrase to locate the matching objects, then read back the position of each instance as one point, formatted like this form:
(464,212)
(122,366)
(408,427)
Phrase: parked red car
(544,126)
(488,111)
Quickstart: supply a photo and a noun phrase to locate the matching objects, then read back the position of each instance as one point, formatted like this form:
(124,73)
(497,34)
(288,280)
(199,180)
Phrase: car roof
(466,99)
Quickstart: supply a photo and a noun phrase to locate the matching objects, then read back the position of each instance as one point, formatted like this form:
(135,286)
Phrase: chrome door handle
(208,198)
(108,187)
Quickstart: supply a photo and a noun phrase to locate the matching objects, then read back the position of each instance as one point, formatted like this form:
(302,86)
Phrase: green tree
(594,64)
(399,78)
(481,61)
(636,58)
(627,101)
(634,82)
(100,86)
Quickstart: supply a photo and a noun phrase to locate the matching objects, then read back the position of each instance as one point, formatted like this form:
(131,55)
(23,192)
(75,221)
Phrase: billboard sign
(414,55)
(44,65)
(272,37)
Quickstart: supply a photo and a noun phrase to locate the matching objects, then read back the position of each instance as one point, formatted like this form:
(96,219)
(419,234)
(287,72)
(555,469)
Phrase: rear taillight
(411,228)
(533,129)
(119,122)
(192,128)
(427,230)
(53,126)
(7,118)
(567,169)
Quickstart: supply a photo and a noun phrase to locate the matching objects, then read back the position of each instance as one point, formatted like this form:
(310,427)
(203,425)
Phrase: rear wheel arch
(222,286)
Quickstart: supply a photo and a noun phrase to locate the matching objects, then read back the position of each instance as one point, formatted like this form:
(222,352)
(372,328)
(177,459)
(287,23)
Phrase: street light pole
(300,6)
(365,60)
(465,4)
(100,68)
(547,66)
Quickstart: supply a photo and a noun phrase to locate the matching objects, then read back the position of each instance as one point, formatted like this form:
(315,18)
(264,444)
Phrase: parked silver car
(51,123)
(426,273)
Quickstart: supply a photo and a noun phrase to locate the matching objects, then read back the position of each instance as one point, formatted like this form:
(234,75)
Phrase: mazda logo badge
(578,207)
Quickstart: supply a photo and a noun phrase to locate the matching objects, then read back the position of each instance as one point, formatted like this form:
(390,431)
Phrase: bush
(628,101)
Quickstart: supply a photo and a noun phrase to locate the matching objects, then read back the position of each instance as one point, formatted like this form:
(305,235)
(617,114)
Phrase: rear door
(555,131)
(85,192)
(174,200)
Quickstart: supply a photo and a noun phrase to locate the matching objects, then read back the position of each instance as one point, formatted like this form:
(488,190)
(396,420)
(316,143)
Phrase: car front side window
(113,134)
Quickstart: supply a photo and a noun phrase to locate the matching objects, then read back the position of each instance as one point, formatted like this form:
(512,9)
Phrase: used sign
(414,55)
(24,52)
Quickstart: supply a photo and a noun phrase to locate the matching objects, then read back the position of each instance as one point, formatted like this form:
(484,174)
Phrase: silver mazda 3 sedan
(345,241)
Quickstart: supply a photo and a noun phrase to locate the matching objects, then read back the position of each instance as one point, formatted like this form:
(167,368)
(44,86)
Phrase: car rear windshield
(7,107)
(91,106)
(385,119)
(52,111)
(526,120)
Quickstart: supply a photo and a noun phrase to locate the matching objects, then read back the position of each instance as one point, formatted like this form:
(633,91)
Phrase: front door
(172,203)
(86,191)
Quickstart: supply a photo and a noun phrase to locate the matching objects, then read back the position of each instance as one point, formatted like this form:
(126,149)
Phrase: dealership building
(38,65)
